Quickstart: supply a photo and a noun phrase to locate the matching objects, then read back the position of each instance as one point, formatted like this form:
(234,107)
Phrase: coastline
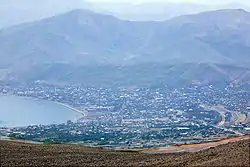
(82,112)
(62,104)
(69,107)
(175,148)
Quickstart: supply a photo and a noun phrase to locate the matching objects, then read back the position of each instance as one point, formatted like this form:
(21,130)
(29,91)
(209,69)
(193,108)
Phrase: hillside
(19,154)
(83,47)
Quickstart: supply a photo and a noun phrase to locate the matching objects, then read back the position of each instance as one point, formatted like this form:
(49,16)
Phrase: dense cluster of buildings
(136,117)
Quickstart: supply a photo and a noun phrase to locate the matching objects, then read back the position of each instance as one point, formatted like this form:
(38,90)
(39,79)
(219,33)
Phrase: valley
(83,88)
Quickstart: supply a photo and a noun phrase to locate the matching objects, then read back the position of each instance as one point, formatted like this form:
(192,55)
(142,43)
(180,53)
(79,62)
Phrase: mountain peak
(78,13)
(242,10)
(228,12)
(81,12)
(232,10)
(81,17)
(85,40)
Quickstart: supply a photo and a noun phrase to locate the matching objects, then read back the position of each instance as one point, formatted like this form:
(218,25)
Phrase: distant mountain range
(13,12)
(83,47)
(159,11)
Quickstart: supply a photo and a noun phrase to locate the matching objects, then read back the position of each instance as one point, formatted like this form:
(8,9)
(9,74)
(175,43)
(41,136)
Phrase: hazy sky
(19,11)
(178,1)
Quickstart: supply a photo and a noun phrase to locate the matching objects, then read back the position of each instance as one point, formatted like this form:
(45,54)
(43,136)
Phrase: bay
(21,111)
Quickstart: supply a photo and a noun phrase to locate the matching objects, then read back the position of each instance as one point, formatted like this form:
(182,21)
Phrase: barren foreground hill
(20,154)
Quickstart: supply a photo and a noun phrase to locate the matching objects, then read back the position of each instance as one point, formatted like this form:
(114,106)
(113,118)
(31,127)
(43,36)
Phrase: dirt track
(195,147)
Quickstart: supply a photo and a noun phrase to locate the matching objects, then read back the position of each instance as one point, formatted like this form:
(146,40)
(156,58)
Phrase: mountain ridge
(81,38)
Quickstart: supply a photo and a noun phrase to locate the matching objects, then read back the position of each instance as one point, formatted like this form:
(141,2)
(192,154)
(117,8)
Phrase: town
(139,117)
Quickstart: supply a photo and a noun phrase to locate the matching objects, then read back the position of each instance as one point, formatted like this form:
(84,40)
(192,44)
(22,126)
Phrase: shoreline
(69,107)
(83,113)
(55,102)
(169,149)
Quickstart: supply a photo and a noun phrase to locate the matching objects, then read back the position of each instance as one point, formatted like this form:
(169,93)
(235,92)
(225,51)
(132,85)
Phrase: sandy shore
(71,108)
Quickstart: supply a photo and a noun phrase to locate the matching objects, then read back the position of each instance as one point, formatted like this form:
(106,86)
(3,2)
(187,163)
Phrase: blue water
(19,111)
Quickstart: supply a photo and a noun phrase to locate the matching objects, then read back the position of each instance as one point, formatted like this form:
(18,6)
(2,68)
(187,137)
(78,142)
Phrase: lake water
(21,111)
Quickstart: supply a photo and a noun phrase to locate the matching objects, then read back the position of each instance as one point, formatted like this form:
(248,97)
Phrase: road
(222,111)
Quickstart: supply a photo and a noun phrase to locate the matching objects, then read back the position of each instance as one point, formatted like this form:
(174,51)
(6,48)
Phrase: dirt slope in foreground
(20,154)
(194,147)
